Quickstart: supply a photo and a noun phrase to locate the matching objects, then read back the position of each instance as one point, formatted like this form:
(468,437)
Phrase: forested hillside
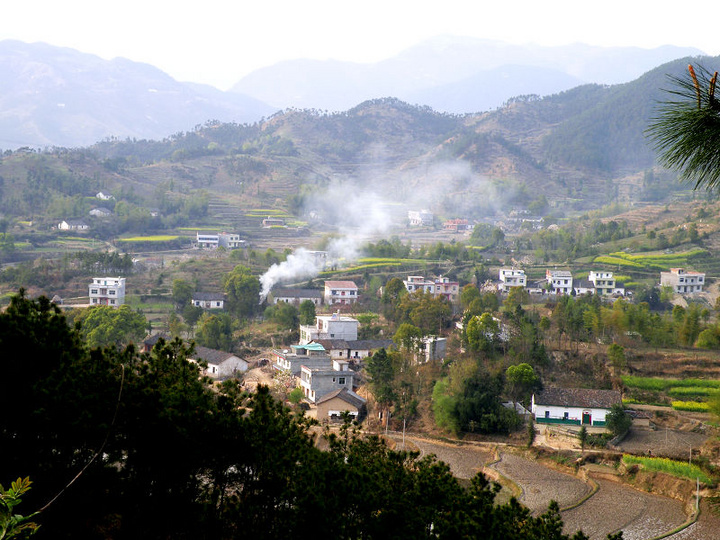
(583,143)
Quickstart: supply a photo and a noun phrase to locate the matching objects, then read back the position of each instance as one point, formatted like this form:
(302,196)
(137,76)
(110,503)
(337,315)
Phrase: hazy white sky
(219,41)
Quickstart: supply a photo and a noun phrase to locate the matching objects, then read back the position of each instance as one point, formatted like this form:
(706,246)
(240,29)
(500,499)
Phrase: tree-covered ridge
(125,444)
(576,144)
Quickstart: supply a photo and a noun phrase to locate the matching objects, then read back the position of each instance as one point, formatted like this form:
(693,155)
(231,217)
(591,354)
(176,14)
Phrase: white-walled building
(420,218)
(340,292)
(574,406)
(440,286)
(333,326)
(107,291)
(419,283)
(561,281)
(296,296)
(682,281)
(206,240)
(319,381)
(511,277)
(604,282)
(209,300)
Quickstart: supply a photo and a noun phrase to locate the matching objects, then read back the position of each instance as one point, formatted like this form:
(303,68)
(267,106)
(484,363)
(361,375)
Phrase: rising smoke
(358,210)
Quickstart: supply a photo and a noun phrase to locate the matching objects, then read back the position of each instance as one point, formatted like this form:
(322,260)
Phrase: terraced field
(638,514)
(612,507)
(539,484)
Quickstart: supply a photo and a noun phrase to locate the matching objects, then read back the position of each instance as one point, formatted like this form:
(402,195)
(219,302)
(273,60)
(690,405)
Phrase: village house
(333,326)
(296,296)
(340,292)
(103,197)
(440,286)
(152,340)
(447,288)
(419,283)
(312,355)
(353,349)
(73,225)
(511,277)
(456,225)
(603,282)
(107,291)
(682,281)
(206,240)
(316,382)
(574,406)
(431,348)
(420,218)
(559,281)
(332,405)
(208,300)
(213,241)
(100,212)
(220,364)
(272,222)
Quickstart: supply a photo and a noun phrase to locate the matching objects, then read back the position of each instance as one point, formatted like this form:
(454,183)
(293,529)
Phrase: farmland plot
(465,461)
(707,526)
(615,507)
(541,484)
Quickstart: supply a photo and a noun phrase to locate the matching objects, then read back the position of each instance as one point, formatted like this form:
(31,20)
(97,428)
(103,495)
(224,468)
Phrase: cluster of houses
(326,359)
(598,282)
(560,282)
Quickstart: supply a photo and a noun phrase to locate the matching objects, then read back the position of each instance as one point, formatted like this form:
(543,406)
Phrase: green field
(156,238)
(658,261)
(669,466)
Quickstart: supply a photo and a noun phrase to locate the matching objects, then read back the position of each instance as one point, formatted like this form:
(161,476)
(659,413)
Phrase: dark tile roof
(346,395)
(211,356)
(578,397)
(208,296)
(150,341)
(371,344)
(296,293)
(333,343)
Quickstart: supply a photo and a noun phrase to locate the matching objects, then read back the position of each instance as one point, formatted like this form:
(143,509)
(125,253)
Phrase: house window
(341,380)
(93,291)
(547,414)
(340,354)
(566,416)
(111,291)
(112,301)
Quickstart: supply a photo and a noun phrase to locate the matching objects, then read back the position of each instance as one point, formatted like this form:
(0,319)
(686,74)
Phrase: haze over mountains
(51,96)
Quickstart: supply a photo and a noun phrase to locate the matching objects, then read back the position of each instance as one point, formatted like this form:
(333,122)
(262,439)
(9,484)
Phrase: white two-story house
(560,281)
(682,281)
(333,326)
(340,292)
(511,277)
(107,291)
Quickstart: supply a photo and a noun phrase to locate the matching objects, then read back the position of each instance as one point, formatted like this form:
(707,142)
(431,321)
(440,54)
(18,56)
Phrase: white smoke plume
(363,209)
(300,264)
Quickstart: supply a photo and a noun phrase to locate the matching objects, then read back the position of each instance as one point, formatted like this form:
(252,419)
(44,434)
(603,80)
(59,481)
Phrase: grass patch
(668,466)
(658,384)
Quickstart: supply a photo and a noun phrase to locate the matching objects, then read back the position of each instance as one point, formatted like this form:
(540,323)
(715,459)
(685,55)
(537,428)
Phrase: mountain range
(59,97)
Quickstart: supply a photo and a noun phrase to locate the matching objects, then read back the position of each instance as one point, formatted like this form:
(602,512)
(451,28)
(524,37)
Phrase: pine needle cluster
(686,132)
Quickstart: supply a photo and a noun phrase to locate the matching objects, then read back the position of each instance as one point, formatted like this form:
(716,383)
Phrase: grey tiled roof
(346,395)
(578,397)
